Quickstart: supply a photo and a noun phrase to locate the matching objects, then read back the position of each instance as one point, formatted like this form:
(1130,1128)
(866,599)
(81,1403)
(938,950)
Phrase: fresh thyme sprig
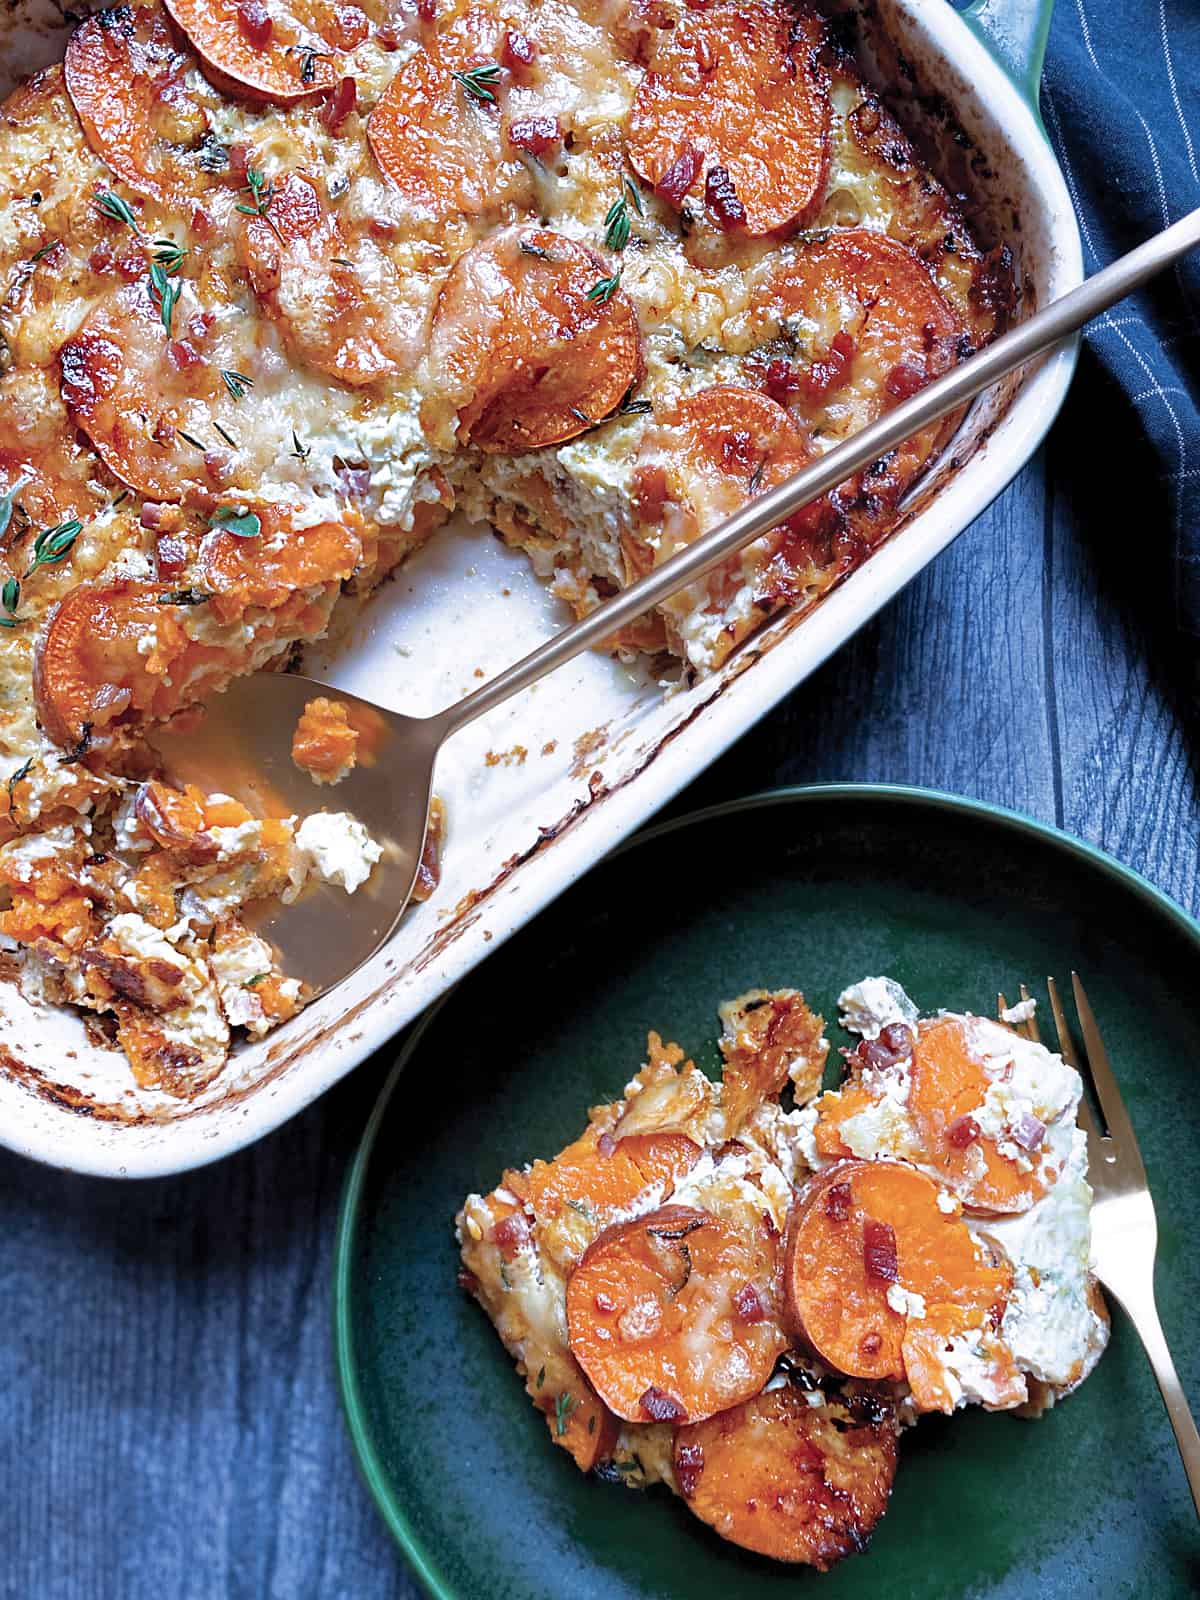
(563,1407)
(165,292)
(111,205)
(236,382)
(169,254)
(617,223)
(479,83)
(22,771)
(53,545)
(603,291)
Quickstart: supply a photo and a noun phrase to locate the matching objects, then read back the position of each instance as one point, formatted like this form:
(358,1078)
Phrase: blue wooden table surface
(169,1424)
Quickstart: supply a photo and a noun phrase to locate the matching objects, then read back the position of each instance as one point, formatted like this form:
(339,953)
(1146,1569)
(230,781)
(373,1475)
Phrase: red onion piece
(679,176)
(1028,1131)
(962,1132)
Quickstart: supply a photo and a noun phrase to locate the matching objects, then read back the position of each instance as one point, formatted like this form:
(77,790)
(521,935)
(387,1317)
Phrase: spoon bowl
(241,745)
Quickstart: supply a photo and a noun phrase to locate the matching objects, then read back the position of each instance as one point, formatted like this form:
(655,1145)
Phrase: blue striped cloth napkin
(1121,102)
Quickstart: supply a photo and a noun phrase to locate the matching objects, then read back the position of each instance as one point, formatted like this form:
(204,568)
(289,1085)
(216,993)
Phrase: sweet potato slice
(127,79)
(716,449)
(312,279)
(876,293)
(279,565)
(948,1085)
(438,142)
(292,58)
(527,350)
(672,1316)
(90,674)
(790,1480)
(579,1192)
(863,1228)
(735,97)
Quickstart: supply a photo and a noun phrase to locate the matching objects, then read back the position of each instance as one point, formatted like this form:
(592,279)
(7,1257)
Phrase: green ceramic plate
(814,888)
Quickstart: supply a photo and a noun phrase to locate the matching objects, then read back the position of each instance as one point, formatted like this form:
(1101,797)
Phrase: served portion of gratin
(285,283)
(747,1290)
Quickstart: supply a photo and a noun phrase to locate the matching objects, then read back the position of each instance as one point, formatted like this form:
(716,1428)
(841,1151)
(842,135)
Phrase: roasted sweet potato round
(790,1480)
(864,1228)
(530,343)
(673,1316)
(735,104)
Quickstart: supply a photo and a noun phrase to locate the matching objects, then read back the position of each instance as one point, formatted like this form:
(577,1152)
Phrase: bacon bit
(606,1144)
(201,223)
(171,552)
(101,259)
(467,1280)
(879,1251)
(689,1464)
(781,381)
(254,23)
(131,266)
(738,452)
(535,134)
(903,381)
(837,1202)
(650,493)
(721,198)
(340,104)
(151,515)
(962,1132)
(747,1302)
(350,27)
(183,356)
(510,1234)
(830,371)
(1029,1131)
(163,430)
(662,1407)
(519,52)
(426,10)
(679,176)
(217,464)
(239,160)
(199,326)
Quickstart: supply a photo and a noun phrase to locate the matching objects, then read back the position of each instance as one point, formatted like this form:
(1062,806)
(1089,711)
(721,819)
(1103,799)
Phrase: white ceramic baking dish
(592,752)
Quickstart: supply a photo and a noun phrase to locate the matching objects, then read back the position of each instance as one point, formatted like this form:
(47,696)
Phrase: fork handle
(1144,1317)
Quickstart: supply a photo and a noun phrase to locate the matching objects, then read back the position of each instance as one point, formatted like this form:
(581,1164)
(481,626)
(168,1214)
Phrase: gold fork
(1124,1227)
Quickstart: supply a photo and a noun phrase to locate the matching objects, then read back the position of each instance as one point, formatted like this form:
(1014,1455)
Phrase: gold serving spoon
(243,744)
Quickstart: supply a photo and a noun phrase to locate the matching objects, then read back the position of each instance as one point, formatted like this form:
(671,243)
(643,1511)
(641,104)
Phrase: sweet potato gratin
(285,281)
(749,1303)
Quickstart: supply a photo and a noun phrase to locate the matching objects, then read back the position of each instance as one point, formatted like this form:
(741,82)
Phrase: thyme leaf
(563,1407)
(22,772)
(479,83)
(300,451)
(236,382)
(10,595)
(237,520)
(168,254)
(111,205)
(164,292)
(228,437)
(603,291)
(80,749)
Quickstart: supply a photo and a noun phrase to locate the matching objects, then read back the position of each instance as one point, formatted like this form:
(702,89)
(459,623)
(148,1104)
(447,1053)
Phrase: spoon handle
(1021,344)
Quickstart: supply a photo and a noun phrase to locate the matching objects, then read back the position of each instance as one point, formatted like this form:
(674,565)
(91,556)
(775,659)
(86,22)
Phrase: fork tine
(1109,1096)
(1034,1031)
(1066,1049)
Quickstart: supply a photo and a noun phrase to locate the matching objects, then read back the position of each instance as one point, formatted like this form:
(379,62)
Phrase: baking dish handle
(1015,33)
